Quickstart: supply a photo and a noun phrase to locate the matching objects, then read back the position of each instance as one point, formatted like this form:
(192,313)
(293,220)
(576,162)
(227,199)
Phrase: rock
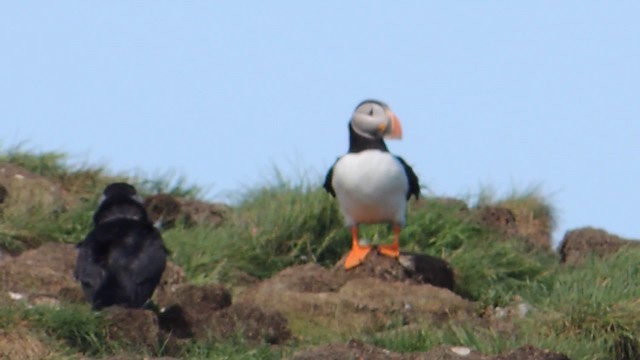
(504,319)
(579,244)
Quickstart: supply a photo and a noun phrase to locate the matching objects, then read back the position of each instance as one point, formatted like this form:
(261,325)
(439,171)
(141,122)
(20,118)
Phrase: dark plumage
(121,260)
(371,184)
(414,185)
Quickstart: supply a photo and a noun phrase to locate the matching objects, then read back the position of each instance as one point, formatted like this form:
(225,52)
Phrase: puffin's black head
(374,119)
(120,200)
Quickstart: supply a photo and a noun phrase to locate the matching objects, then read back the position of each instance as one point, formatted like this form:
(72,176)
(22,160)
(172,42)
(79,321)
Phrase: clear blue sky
(506,94)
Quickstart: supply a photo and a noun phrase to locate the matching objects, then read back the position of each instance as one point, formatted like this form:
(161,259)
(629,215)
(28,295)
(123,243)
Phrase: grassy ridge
(588,312)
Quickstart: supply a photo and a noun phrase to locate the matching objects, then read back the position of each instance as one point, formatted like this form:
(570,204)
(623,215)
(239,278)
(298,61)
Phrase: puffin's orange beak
(395,131)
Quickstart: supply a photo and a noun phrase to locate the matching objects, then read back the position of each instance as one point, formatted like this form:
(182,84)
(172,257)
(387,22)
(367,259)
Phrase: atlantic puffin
(371,184)
(121,260)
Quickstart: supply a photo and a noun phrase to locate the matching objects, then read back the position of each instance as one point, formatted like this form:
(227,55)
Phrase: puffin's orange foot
(391,250)
(356,256)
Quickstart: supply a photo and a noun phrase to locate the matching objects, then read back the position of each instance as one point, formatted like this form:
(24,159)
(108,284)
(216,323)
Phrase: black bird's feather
(414,185)
(358,143)
(121,261)
(328,181)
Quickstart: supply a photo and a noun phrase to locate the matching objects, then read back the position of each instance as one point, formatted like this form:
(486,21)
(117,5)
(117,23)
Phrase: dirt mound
(497,218)
(371,297)
(40,274)
(135,326)
(166,210)
(379,295)
(206,311)
(18,345)
(527,221)
(24,192)
(358,350)
(410,267)
(579,244)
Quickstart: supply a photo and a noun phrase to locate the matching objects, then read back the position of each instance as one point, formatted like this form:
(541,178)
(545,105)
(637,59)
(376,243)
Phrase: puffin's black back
(121,260)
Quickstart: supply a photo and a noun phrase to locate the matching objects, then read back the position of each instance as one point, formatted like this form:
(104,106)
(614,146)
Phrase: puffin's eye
(371,112)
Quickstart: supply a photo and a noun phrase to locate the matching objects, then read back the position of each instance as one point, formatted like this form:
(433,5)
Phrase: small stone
(461,350)
(15,295)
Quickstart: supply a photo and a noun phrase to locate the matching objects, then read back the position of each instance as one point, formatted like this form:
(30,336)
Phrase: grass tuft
(77,326)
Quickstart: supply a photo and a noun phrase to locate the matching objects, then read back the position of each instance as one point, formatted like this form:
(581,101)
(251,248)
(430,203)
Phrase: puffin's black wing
(327,181)
(414,185)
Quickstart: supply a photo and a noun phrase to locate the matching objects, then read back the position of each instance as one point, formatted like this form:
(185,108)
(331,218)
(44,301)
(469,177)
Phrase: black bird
(121,260)
(371,184)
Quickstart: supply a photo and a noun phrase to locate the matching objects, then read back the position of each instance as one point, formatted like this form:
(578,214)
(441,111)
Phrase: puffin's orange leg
(393,249)
(357,253)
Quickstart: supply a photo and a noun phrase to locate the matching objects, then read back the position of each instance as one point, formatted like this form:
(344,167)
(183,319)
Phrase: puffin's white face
(374,119)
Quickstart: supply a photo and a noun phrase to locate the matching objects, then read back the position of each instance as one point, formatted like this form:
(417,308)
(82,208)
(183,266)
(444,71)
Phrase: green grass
(271,228)
(233,349)
(475,337)
(587,312)
(27,226)
(76,326)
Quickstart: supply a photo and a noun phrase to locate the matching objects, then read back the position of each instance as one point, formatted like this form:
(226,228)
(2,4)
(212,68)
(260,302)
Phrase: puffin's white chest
(371,187)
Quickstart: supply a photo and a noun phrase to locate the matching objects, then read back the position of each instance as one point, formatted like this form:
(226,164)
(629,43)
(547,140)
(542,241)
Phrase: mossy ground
(587,312)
